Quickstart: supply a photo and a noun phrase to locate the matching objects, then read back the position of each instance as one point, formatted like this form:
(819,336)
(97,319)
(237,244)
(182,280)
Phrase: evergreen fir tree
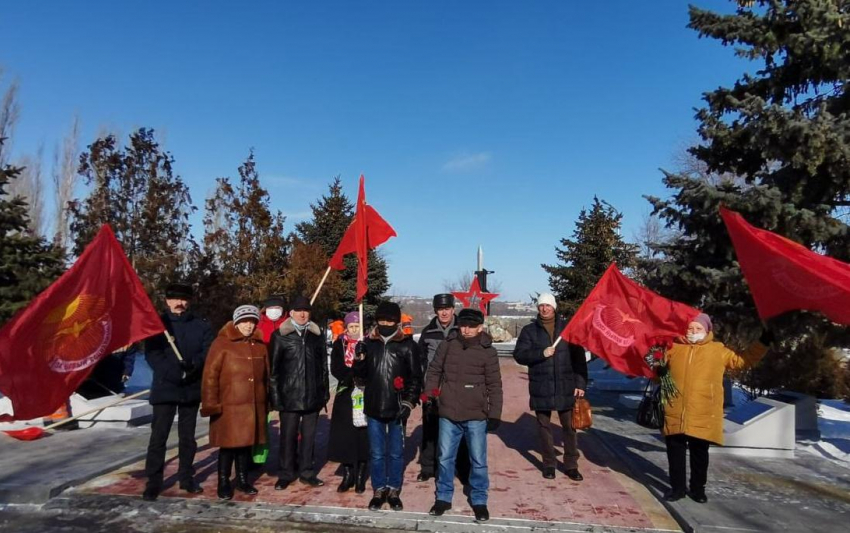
(28,263)
(245,248)
(135,191)
(782,134)
(596,243)
(332,215)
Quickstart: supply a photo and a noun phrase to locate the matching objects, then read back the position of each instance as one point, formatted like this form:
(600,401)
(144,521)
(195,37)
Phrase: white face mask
(274,314)
(695,337)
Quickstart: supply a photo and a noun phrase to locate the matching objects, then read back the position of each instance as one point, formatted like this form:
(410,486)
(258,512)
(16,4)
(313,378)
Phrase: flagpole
(173,345)
(557,341)
(362,333)
(101,408)
(313,299)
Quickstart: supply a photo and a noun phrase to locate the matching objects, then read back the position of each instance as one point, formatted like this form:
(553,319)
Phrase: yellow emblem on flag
(75,335)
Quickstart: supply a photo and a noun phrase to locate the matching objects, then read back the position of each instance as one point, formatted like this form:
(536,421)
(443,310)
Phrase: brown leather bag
(582,417)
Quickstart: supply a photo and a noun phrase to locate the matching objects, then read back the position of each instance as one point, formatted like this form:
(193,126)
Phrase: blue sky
(488,123)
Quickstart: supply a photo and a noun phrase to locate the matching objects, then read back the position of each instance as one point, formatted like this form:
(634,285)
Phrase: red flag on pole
(784,275)
(620,318)
(366,232)
(50,347)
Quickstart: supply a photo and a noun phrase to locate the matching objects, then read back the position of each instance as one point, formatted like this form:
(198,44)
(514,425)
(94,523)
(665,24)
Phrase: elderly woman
(233,394)
(349,443)
(693,419)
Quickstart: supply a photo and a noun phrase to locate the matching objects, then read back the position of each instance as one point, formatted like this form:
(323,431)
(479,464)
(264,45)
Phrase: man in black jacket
(299,390)
(388,362)
(430,339)
(556,377)
(176,388)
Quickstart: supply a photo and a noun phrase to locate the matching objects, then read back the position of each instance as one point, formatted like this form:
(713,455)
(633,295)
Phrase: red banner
(366,232)
(619,319)
(51,346)
(785,276)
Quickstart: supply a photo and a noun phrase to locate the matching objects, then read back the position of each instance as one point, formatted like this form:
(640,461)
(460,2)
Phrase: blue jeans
(475,433)
(386,443)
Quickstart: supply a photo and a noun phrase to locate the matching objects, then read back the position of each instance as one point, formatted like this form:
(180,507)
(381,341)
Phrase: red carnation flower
(423,398)
(398,383)
(435,393)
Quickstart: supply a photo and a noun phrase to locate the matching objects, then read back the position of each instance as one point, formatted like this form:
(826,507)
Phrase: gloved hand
(403,413)
(767,337)
(360,350)
(493,424)
(190,371)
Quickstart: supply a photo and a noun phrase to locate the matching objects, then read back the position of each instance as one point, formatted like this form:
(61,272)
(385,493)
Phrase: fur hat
(442,301)
(388,312)
(300,303)
(179,290)
(470,317)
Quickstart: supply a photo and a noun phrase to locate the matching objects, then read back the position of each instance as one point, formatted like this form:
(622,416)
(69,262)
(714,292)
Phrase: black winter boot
(362,477)
(225,465)
(347,479)
(243,456)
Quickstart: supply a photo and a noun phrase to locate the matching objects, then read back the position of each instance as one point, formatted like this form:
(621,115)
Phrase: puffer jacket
(233,390)
(383,363)
(431,338)
(299,369)
(697,371)
(551,381)
(468,377)
(193,337)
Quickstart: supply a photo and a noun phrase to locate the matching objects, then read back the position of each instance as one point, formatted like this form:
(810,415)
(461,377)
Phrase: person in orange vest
(337,329)
(407,324)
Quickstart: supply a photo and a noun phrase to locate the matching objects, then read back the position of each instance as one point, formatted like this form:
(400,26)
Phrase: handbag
(358,417)
(582,416)
(650,413)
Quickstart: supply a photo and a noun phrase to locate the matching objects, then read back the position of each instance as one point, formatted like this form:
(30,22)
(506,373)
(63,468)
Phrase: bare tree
(30,187)
(64,181)
(464,280)
(9,113)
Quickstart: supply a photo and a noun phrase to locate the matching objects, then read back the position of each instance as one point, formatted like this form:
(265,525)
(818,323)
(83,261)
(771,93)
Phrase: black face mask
(387,331)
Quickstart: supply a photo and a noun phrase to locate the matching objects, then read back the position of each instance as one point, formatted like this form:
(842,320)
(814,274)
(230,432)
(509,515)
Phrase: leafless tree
(65,162)
(30,187)
(9,113)
(464,280)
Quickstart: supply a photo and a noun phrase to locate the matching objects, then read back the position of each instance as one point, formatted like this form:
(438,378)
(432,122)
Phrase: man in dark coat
(556,377)
(299,390)
(176,388)
(470,405)
(388,362)
(438,330)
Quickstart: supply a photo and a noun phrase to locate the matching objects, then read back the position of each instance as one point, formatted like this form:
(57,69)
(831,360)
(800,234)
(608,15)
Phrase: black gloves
(767,337)
(661,370)
(493,424)
(190,372)
(403,413)
(360,349)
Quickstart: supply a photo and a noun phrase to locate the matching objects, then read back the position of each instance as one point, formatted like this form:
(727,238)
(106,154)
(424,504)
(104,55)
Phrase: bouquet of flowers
(656,360)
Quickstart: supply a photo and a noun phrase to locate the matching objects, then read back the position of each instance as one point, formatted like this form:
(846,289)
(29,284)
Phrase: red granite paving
(517,489)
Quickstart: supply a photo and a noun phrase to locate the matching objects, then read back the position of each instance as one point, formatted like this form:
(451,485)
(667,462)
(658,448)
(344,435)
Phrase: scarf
(350,345)
(549,325)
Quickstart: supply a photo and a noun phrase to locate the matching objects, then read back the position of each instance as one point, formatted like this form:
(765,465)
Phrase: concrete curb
(254,515)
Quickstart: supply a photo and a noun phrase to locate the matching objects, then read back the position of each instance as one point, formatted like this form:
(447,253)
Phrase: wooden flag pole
(173,345)
(313,299)
(557,341)
(101,408)
(362,333)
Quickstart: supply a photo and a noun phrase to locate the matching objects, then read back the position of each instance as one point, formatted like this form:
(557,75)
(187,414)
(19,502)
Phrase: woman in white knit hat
(233,395)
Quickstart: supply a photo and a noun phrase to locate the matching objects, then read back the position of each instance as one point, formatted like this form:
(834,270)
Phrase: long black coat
(551,381)
(193,336)
(383,363)
(347,444)
(299,369)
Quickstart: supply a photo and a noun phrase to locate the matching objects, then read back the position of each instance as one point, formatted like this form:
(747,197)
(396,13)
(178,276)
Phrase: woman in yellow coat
(693,418)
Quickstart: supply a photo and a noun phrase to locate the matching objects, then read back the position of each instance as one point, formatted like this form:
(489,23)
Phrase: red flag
(366,232)
(784,275)
(51,346)
(619,319)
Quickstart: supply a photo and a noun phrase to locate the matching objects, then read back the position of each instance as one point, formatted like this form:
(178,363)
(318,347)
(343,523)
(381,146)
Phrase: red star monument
(474,297)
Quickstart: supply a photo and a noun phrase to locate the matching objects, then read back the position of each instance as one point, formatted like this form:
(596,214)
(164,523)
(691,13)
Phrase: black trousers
(677,445)
(296,457)
(547,443)
(163,418)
